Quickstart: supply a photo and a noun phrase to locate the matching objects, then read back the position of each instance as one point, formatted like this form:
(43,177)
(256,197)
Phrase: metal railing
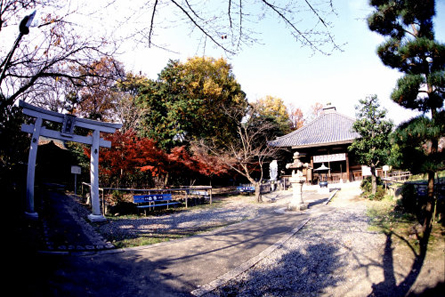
(177,193)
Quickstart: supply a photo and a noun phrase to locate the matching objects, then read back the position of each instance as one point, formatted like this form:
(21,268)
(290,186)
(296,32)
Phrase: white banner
(330,158)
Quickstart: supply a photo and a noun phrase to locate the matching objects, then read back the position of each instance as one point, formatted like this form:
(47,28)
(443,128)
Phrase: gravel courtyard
(337,255)
(334,254)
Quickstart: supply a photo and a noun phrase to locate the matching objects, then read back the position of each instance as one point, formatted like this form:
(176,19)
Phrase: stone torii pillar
(69,122)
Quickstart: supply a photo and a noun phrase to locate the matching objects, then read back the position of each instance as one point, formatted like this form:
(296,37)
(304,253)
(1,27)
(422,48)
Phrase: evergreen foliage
(373,147)
(411,48)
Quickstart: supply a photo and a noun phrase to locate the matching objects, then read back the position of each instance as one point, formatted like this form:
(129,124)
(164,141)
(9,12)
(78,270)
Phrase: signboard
(330,158)
(76,170)
(366,171)
(273,170)
(152,198)
(69,121)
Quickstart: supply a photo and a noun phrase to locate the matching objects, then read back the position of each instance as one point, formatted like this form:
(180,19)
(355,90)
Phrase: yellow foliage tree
(275,108)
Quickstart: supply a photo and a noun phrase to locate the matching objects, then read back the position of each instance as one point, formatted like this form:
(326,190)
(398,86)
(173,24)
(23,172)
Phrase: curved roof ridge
(345,116)
(328,128)
(304,127)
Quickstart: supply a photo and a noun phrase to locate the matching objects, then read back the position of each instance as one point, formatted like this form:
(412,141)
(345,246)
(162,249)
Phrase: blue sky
(279,66)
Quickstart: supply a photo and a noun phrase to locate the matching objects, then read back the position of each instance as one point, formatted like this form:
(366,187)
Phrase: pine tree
(411,48)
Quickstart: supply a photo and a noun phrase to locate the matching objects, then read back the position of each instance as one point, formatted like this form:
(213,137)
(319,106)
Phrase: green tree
(411,48)
(373,147)
(190,101)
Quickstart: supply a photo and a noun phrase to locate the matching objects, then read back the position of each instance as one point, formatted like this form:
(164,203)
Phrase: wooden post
(312,166)
(30,178)
(347,167)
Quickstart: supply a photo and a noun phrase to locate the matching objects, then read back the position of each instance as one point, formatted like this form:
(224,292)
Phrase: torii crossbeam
(67,134)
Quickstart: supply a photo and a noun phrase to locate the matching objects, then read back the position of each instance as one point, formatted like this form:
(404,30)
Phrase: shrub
(409,199)
(366,187)
(120,205)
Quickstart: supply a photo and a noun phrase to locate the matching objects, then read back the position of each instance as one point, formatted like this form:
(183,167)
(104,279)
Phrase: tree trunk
(373,180)
(430,203)
(258,196)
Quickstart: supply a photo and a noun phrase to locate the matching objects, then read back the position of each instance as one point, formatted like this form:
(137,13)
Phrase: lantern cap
(322,168)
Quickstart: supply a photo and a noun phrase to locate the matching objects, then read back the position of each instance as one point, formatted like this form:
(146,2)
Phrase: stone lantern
(323,182)
(297,181)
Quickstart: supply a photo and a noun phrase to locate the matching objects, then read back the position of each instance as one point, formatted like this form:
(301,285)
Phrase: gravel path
(234,210)
(335,255)
(188,222)
(312,262)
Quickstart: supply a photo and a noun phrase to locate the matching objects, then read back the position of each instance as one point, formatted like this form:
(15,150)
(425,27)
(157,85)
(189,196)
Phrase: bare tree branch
(151,22)
(248,153)
(201,28)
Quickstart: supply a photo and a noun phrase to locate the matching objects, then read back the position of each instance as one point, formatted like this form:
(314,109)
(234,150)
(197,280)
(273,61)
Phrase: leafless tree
(247,153)
(48,57)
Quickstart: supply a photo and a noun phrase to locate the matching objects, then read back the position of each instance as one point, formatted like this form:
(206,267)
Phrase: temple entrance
(67,133)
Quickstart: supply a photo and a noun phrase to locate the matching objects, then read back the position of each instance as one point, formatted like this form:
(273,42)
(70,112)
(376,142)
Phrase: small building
(325,141)
(54,160)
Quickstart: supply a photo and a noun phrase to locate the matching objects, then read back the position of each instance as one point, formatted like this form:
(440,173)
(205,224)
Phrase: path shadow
(112,275)
(36,274)
(296,273)
(317,202)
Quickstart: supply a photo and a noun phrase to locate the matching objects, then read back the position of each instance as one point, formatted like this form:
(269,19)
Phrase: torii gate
(67,134)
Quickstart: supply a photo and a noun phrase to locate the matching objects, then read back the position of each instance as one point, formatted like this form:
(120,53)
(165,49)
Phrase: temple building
(325,141)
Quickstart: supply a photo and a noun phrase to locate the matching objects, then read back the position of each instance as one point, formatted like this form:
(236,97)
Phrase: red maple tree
(131,155)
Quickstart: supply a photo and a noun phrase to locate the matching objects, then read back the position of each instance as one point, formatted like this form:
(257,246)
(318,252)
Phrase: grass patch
(143,240)
(135,213)
(386,217)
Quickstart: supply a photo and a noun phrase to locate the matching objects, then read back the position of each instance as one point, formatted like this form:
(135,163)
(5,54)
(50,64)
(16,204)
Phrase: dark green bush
(414,204)
(409,201)
(366,186)
(119,205)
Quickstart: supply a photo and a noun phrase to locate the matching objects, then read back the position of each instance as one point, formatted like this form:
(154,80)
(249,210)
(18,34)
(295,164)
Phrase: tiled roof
(45,140)
(327,129)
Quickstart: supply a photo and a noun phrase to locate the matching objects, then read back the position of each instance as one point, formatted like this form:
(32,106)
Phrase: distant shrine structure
(325,141)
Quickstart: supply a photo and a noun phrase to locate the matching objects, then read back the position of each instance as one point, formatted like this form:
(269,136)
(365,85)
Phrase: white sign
(330,158)
(76,170)
(366,171)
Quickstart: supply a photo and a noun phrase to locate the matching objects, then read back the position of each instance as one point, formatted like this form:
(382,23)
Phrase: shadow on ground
(297,273)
